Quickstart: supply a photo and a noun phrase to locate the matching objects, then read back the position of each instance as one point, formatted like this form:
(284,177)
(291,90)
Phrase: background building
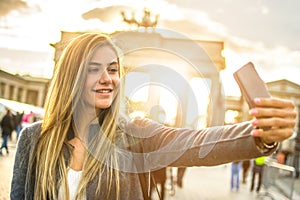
(162,61)
(24,89)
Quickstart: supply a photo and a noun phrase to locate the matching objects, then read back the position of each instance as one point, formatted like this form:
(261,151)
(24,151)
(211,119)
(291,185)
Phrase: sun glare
(231,116)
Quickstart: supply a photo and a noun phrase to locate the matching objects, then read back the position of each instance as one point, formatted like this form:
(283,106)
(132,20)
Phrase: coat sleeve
(165,146)
(221,145)
(21,164)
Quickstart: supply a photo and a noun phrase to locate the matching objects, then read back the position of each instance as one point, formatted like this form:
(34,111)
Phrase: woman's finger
(274,122)
(273,112)
(273,135)
(274,103)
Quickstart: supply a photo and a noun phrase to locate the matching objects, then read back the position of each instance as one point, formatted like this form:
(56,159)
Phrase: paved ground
(200,183)
(6,169)
(213,183)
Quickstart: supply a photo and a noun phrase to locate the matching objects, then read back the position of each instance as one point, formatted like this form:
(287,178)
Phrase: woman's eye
(113,70)
(93,70)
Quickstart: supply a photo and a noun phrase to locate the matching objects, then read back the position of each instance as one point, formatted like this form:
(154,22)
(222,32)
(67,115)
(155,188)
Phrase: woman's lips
(103,91)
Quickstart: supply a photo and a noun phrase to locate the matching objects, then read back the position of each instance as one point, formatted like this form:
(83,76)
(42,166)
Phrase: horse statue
(130,21)
(146,22)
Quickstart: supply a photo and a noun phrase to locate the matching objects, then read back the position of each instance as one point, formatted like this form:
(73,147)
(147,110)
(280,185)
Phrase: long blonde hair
(63,97)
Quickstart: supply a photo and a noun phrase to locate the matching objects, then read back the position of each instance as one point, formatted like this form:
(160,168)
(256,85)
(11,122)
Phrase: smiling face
(102,78)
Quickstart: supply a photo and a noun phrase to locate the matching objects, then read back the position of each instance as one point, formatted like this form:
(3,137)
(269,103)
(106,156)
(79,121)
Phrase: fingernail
(253,112)
(255,133)
(255,122)
(257,101)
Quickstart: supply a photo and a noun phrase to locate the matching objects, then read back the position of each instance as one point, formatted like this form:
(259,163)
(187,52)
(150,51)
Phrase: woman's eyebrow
(95,63)
(113,63)
(99,64)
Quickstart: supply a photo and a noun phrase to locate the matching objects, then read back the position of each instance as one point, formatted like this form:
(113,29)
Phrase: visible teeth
(103,91)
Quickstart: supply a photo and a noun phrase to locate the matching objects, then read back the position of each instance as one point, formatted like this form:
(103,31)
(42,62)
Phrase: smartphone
(250,83)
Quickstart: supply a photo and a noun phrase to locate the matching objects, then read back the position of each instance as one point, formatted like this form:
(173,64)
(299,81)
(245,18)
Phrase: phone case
(250,83)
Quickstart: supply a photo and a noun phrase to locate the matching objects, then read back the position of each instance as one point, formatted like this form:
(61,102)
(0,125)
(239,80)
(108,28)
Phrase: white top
(73,181)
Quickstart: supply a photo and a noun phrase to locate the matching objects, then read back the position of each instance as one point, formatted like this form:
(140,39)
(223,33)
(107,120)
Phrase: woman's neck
(82,119)
(78,154)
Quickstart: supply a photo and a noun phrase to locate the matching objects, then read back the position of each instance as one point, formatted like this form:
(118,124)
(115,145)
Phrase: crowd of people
(252,169)
(13,122)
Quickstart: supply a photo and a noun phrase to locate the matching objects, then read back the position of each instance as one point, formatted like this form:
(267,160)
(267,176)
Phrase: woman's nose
(105,77)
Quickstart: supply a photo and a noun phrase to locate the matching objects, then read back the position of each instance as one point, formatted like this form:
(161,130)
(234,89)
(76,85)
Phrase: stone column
(1,89)
(40,98)
(6,91)
(15,93)
(24,95)
(153,97)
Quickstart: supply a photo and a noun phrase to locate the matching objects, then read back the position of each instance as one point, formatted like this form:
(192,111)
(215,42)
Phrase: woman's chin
(103,105)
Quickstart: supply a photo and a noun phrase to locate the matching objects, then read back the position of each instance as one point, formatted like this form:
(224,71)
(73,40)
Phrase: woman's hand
(277,114)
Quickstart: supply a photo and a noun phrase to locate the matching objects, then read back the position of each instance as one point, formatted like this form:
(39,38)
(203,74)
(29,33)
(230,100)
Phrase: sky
(262,31)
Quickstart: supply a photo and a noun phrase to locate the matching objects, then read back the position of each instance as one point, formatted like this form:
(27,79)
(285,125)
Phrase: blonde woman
(84,149)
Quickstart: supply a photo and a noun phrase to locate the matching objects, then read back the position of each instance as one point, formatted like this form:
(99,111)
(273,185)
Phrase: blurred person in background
(18,123)
(7,126)
(257,170)
(246,166)
(235,175)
